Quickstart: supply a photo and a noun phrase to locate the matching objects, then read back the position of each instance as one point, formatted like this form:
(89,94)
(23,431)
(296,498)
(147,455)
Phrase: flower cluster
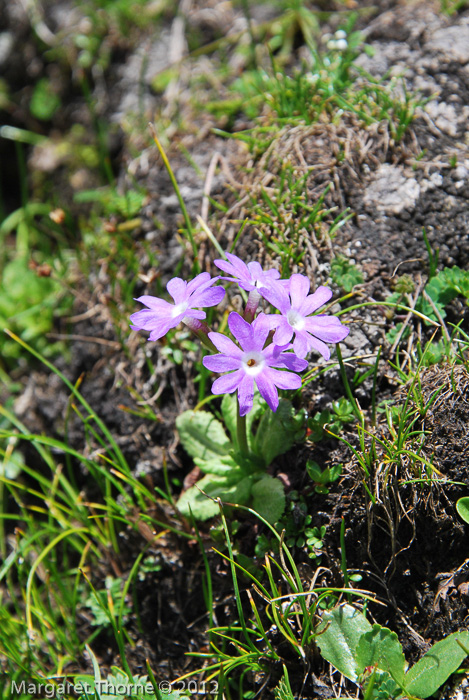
(270,348)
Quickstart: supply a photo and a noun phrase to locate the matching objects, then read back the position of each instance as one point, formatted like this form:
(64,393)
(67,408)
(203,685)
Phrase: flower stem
(251,305)
(241,433)
(201,330)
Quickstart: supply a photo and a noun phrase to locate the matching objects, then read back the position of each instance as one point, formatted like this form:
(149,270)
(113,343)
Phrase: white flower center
(179,309)
(253,363)
(296,320)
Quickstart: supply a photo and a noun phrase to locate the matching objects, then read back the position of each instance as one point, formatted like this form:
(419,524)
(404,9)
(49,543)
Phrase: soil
(409,547)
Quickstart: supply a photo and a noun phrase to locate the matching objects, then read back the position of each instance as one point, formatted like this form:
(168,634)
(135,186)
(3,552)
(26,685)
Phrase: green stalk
(373,390)
(343,557)
(241,433)
(237,593)
(187,221)
(348,389)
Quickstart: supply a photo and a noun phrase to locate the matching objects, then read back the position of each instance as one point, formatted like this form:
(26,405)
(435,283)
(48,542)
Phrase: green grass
(327,85)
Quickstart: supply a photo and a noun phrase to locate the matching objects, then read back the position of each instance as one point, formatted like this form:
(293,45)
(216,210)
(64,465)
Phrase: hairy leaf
(269,498)
(382,648)
(202,435)
(223,465)
(229,409)
(339,637)
(202,507)
(436,666)
(277,432)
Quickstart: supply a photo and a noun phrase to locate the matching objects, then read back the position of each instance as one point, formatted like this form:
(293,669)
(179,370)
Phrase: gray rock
(391,192)
(451,42)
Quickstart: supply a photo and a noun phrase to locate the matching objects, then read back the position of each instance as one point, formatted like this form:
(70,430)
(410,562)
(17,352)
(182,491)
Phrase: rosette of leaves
(229,475)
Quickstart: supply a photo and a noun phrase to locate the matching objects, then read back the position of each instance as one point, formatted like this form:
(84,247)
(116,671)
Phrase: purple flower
(311,332)
(249,277)
(252,363)
(161,316)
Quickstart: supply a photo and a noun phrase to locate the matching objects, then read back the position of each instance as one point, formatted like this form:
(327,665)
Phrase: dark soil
(409,547)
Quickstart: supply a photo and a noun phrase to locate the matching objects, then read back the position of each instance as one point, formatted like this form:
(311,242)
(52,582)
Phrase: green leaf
(436,666)
(221,466)
(381,648)
(44,102)
(462,506)
(229,409)
(345,273)
(446,285)
(202,507)
(339,636)
(202,435)
(268,498)
(425,308)
(277,432)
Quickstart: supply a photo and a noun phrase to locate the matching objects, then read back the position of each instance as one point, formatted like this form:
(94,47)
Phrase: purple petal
(161,329)
(301,344)
(327,328)
(225,345)
(267,389)
(180,318)
(255,270)
(200,282)
(235,266)
(225,266)
(177,288)
(274,320)
(299,288)
(273,352)
(146,319)
(237,263)
(274,275)
(194,313)
(277,295)
(245,394)
(284,380)
(316,344)
(260,329)
(221,363)
(228,383)
(208,297)
(284,332)
(290,361)
(241,330)
(155,303)
(314,301)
